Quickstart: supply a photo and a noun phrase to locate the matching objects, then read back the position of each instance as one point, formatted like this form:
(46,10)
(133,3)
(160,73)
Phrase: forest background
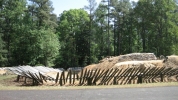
(31,34)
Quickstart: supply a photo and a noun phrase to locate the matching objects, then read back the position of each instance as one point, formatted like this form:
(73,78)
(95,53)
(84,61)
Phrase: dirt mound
(137,57)
(151,63)
(171,61)
(93,66)
(110,61)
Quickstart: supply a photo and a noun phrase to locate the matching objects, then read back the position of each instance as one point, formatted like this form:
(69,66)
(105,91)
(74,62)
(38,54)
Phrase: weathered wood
(63,75)
(67,77)
(149,73)
(103,77)
(133,75)
(107,75)
(87,75)
(84,77)
(99,76)
(117,75)
(166,70)
(89,81)
(94,78)
(141,70)
(130,76)
(18,78)
(139,81)
(70,77)
(42,77)
(162,77)
(38,78)
(60,79)
(80,77)
(35,81)
(74,77)
(153,74)
(125,76)
(112,76)
(120,77)
(57,77)
(157,74)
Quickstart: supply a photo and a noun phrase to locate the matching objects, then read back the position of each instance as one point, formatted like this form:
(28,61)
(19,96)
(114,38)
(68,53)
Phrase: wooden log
(87,75)
(63,75)
(67,77)
(146,76)
(112,76)
(18,78)
(152,74)
(57,77)
(94,77)
(70,77)
(42,77)
(117,75)
(149,73)
(107,76)
(139,81)
(98,76)
(157,74)
(60,79)
(74,78)
(35,81)
(135,76)
(120,77)
(84,76)
(128,79)
(126,75)
(103,76)
(166,70)
(80,77)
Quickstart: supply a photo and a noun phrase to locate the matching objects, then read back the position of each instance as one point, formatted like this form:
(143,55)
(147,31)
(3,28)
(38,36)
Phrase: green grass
(14,87)
(2,77)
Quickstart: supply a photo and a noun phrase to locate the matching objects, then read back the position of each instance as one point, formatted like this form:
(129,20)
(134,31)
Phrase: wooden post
(70,77)
(60,80)
(74,78)
(114,81)
(81,75)
(89,81)
(57,76)
(25,81)
(139,79)
(63,74)
(18,78)
(162,76)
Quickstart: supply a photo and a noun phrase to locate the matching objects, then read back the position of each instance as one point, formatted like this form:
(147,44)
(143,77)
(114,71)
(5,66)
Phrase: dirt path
(156,93)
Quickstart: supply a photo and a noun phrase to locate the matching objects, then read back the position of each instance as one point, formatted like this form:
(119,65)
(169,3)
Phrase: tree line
(31,34)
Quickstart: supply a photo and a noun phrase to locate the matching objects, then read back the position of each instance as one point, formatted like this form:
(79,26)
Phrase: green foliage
(3,53)
(31,35)
(35,47)
(74,37)
(156,25)
(41,11)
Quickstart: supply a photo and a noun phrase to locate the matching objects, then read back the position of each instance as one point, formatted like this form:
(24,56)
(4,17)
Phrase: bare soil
(9,80)
(134,59)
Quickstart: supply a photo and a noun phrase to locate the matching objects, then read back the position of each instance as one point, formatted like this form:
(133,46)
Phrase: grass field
(7,83)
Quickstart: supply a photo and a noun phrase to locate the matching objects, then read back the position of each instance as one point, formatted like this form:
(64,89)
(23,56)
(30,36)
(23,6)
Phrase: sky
(61,5)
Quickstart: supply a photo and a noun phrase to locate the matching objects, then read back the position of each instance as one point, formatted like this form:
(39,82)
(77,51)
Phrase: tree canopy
(31,34)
